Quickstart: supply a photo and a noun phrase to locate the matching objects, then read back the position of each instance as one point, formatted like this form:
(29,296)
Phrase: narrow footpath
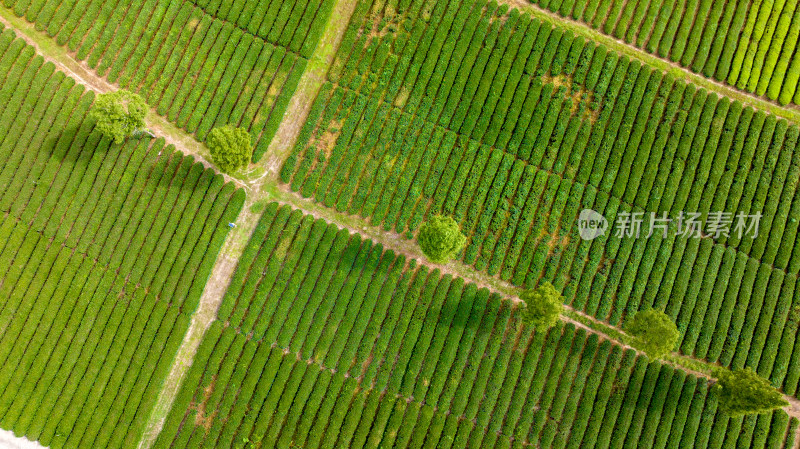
(225,266)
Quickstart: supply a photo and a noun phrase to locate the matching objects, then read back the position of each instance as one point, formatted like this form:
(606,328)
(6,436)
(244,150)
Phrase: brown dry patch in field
(402,97)
(592,116)
(542,232)
(282,249)
(203,420)
(273,91)
(551,243)
(557,80)
(366,363)
(555,242)
(580,98)
(428,204)
(374,31)
(494,17)
(326,139)
(381,24)
(605,264)
(272,94)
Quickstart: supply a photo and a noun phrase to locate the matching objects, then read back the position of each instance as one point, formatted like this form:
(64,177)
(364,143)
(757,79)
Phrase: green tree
(440,239)
(119,115)
(230,147)
(654,333)
(743,391)
(543,305)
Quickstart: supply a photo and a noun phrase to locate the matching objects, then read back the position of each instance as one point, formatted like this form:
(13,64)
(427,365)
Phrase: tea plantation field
(150,301)
(326,340)
(513,127)
(748,44)
(104,251)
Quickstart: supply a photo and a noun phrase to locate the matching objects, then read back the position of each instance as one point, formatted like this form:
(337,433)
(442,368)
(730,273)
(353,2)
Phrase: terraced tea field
(147,300)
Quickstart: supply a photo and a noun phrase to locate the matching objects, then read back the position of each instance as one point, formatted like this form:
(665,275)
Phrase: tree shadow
(80,145)
(76,144)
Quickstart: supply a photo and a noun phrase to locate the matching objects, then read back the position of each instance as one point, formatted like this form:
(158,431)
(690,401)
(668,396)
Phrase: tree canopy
(654,333)
(543,305)
(119,114)
(230,147)
(440,239)
(744,392)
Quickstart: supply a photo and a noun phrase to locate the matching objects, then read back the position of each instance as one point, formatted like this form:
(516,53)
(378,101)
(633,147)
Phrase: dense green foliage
(744,392)
(463,109)
(230,147)
(512,127)
(749,44)
(201,64)
(653,332)
(325,340)
(104,252)
(440,239)
(119,114)
(294,24)
(543,306)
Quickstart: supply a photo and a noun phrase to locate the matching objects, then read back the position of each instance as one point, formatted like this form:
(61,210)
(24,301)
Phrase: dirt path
(790,112)
(288,131)
(307,89)
(210,300)
(266,187)
(400,245)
